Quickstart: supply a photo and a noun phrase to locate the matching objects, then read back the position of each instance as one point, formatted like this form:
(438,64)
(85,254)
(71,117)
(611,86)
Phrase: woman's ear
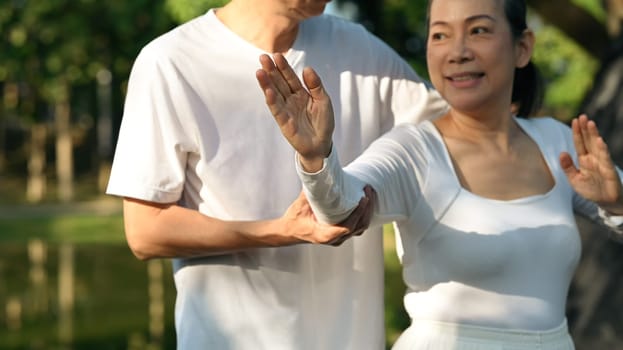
(525,46)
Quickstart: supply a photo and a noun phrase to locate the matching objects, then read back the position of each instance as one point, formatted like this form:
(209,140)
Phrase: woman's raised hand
(595,178)
(305,116)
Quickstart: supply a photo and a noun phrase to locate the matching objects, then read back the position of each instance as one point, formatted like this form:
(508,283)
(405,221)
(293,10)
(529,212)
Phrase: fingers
(585,135)
(587,140)
(340,239)
(276,89)
(352,222)
(364,223)
(287,73)
(599,146)
(566,163)
(359,220)
(275,74)
(578,139)
(603,154)
(314,84)
(274,100)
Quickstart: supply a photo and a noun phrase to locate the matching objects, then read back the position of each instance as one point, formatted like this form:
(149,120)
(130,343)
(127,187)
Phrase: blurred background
(67,278)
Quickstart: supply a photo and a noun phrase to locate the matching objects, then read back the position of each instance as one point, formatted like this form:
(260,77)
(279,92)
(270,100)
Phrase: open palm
(595,177)
(305,116)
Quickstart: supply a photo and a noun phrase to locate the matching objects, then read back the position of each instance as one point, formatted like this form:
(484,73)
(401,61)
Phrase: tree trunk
(64,150)
(10,97)
(104,127)
(36,183)
(614,18)
(577,23)
(2,141)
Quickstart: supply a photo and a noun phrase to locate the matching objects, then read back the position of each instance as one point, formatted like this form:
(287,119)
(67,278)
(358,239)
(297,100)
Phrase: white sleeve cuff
(332,194)
(613,221)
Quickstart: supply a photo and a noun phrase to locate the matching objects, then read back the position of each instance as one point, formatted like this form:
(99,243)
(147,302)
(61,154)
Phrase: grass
(78,229)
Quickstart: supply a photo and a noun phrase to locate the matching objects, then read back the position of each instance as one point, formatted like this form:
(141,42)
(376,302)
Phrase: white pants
(433,335)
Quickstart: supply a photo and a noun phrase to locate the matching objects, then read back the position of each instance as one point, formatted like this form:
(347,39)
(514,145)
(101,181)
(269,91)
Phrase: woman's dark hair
(528,91)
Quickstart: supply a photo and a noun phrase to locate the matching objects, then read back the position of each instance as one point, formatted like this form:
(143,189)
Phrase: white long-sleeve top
(466,258)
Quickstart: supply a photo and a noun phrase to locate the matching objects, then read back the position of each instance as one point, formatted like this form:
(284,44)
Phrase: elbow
(139,252)
(141,229)
(138,245)
(141,237)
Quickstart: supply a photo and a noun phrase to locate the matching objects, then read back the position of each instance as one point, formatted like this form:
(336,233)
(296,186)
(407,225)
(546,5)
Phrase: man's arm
(155,230)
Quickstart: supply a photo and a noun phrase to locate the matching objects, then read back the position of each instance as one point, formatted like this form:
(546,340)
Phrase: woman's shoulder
(546,125)
(424,131)
(544,122)
(422,139)
(551,131)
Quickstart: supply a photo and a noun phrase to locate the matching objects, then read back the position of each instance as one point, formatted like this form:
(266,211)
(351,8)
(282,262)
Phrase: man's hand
(301,223)
(359,220)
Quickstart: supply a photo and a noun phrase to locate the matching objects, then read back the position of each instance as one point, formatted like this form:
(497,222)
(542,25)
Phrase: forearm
(332,195)
(168,230)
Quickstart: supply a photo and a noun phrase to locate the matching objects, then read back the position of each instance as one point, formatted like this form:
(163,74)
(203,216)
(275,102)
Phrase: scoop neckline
(525,127)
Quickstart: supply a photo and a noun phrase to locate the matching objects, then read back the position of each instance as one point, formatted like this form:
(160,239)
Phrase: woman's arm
(305,117)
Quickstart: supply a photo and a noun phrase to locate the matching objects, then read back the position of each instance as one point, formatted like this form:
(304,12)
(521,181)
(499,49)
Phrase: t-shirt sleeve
(409,98)
(154,139)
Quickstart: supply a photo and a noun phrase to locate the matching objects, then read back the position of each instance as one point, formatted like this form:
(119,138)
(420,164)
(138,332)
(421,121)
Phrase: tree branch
(575,22)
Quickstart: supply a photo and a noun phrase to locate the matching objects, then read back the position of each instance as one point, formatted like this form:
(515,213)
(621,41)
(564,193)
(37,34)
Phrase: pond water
(93,296)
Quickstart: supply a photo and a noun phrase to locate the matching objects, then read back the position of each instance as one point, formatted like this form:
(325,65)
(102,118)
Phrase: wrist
(614,207)
(314,163)
(276,233)
(615,210)
(311,165)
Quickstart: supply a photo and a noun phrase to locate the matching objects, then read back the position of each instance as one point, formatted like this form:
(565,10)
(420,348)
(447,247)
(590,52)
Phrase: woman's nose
(460,51)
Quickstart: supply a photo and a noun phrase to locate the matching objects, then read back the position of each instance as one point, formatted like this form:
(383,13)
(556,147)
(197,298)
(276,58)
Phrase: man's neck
(262,26)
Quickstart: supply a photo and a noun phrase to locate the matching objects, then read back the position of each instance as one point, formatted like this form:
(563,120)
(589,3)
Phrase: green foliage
(396,318)
(75,229)
(184,10)
(595,7)
(567,69)
(52,46)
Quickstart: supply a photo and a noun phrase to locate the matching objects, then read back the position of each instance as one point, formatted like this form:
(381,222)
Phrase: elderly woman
(484,199)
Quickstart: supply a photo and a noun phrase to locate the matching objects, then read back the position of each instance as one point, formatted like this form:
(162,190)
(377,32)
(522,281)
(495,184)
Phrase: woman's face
(471,53)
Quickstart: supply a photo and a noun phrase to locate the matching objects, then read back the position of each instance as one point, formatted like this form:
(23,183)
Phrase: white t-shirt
(466,258)
(196,130)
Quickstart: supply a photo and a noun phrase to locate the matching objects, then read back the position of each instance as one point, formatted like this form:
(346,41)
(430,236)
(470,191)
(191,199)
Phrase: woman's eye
(479,30)
(437,36)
